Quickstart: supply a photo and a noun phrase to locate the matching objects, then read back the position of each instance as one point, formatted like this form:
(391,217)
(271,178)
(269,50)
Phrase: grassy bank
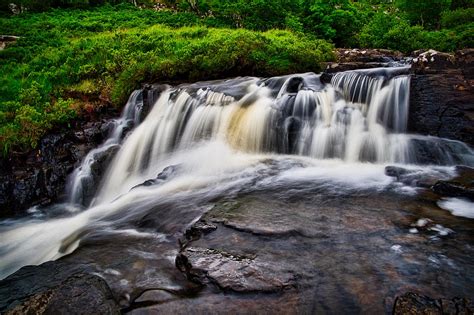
(67,61)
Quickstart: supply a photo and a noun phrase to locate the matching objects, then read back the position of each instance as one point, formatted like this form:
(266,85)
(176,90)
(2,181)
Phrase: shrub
(100,52)
(459,17)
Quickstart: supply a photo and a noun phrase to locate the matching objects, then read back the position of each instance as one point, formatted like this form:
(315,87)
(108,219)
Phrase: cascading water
(217,138)
(360,117)
(82,179)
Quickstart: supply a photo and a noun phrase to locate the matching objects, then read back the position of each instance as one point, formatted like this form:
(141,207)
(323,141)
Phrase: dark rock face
(462,186)
(39,177)
(35,281)
(412,303)
(98,168)
(453,189)
(441,95)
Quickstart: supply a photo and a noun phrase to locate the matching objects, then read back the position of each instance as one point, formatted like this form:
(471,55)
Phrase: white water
(82,176)
(458,207)
(235,135)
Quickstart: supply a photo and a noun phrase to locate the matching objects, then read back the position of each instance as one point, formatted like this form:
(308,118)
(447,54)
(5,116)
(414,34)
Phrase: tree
(424,12)
(336,20)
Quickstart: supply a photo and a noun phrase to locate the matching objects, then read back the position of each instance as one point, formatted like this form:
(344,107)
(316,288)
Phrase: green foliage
(69,60)
(452,19)
(336,20)
(461,4)
(387,30)
(96,51)
(424,12)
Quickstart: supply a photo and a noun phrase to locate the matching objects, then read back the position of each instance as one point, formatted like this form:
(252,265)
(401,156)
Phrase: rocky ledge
(442,95)
(38,177)
(351,59)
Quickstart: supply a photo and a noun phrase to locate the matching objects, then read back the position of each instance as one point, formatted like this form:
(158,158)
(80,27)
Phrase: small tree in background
(424,12)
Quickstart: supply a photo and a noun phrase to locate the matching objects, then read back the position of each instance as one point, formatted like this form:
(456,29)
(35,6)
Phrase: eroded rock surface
(415,304)
(233,272)
(441,95)
(79,294)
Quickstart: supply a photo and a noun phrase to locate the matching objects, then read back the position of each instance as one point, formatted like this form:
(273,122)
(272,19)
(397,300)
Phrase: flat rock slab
(233,272)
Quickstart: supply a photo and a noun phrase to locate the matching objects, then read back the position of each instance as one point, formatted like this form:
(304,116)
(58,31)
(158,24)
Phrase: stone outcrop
(39,176)
(441,95)
(351,59)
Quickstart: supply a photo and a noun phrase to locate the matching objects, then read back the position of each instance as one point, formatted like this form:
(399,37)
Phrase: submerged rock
(409,177)
(164,175)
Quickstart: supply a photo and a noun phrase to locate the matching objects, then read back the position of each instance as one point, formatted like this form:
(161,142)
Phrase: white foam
(458,207)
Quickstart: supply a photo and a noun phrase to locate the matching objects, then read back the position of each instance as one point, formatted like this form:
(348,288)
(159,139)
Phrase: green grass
(70,60)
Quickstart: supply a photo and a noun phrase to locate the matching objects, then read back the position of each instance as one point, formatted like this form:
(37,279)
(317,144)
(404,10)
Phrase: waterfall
(206,141)
(360,116)
(82,181)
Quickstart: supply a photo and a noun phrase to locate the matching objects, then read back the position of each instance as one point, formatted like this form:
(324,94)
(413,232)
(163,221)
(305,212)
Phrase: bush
(65,62)
(459,17)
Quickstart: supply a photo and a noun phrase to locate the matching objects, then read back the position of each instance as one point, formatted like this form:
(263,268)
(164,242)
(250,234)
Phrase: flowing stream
(209,140)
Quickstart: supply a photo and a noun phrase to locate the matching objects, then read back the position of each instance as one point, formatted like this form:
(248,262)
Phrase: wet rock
(33,281)
(441,96)
(334,67)
(98,167)
(164,175)
(413,303)
(82,294)
(168,172)
(352,59)
(38,177)
(453,189)
(431,61)
(231,272)
(294,85)
(395,171)
(460,186)
(79,294)
(367,55)
(151,93)
(409,177)
(199,228)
